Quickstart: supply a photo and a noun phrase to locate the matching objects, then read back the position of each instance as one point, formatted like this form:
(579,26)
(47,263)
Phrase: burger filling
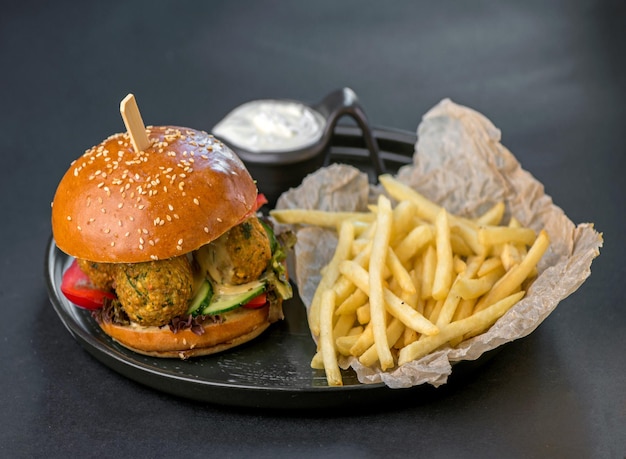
(248,259)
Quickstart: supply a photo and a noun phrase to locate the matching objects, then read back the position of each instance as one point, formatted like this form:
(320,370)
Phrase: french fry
(513,278)
(393,332)
(495,235)
(469,289)
(380,245)
(407,315)
(429,262)
(344,343)
(493,216)
(444,267)
(327,341)
(351,304)
(436,310)
(413,242)
(403,215)
(488,265)
(343,324)
(464,309)
(512,253)
(363,315)
(477,321)
(425,208)
(331,273)
(363,342)
(318,217)
(448,308)
(317,363)
(459,246)
(458,265)
(399,272)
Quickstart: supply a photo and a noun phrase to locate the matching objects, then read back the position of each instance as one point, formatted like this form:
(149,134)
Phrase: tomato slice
(257,302)
(261,200)
(78,288)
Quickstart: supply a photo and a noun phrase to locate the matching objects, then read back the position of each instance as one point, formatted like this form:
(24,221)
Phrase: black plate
(273,371)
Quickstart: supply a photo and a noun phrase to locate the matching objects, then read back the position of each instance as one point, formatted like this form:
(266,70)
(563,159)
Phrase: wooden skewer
(134,124)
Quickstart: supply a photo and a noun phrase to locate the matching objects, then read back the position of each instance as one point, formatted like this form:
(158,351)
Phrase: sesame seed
(69,219)
(219,219)
(127,234)
(206,229)
(196,202)
(180,242)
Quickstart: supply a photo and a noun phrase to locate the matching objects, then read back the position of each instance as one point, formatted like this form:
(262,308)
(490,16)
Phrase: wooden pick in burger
(134,124)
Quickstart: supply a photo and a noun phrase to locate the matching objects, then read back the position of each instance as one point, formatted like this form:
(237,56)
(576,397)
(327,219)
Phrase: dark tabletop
(550,75)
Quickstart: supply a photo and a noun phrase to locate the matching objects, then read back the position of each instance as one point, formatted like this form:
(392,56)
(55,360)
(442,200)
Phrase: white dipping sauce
(271,126)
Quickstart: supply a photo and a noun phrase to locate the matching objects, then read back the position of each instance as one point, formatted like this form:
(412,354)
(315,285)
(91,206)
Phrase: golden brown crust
(239,326)
(118,206)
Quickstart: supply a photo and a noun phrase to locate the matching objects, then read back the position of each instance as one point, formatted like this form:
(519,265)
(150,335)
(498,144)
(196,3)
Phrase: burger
(170,251)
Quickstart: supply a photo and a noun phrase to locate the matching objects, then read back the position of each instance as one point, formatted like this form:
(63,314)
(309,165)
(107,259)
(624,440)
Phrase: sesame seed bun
(238,327)
(116,205)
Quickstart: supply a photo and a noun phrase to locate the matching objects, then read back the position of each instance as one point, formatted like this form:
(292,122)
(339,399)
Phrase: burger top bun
(118,205)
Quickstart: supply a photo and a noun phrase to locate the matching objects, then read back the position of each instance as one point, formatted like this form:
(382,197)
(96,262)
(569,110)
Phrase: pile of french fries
(408,279)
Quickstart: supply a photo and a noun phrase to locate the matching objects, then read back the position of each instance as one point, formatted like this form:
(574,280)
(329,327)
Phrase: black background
(549,74)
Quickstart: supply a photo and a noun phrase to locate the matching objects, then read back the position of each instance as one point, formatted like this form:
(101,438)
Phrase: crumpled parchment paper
(459,163)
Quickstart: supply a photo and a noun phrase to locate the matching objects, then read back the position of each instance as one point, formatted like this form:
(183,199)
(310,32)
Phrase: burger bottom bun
(238,327)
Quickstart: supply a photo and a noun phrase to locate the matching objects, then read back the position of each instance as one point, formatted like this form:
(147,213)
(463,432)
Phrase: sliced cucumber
(230,297)
(270,235)
(201,299)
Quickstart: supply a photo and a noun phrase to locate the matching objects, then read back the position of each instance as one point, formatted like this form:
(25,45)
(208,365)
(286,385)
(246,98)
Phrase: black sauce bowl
(276,172)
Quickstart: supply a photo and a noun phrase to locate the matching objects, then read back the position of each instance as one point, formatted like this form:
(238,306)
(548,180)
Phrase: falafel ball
(154,292)
(100,274)
(238,256)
